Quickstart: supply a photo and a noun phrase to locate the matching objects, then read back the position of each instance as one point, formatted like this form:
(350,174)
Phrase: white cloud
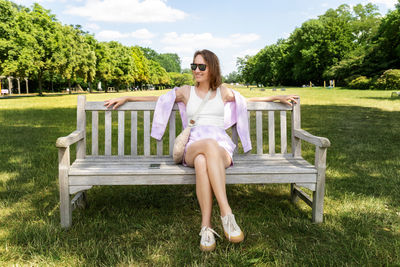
(189,42)
(225,47)
(247,52)
(142,34)
(111,35)
(387,3)
(92,26)
(132,11)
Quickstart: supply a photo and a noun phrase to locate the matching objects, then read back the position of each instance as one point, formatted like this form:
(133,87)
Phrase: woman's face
(201,76)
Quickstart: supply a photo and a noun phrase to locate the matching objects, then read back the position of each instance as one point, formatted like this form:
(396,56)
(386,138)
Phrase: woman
(209,149)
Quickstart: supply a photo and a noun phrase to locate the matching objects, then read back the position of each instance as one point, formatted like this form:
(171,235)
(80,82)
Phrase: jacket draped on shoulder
(234,113)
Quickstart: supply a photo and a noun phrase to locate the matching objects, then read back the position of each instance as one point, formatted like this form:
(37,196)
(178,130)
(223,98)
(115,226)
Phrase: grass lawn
(159,225)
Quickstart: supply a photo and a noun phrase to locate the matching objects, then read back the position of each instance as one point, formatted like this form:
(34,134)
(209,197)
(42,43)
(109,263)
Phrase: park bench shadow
(133,213)
(383,98)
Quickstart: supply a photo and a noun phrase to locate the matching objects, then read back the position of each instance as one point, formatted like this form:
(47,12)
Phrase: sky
(229,28)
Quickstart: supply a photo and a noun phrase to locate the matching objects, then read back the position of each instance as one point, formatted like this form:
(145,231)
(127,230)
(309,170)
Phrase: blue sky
(231,29)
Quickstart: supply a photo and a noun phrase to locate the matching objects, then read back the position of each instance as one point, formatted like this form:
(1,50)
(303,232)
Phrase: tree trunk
(69,86)
(40,83)
(26,84)
(9,85)
(19,86)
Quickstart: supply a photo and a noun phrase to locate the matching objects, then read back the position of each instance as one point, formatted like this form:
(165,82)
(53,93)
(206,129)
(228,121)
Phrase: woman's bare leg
(217,159)
(203,190)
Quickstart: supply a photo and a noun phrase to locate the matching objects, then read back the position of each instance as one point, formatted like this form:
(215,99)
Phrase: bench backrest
(134,116)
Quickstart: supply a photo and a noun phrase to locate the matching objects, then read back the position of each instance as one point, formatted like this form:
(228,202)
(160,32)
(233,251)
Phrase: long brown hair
(214,69)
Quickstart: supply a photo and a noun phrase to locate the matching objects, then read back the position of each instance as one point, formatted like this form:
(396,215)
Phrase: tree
(17,45)
(44,32)
(384,52)
(179,79)
(170,62)
(232,77)
(142,65)
(158,75)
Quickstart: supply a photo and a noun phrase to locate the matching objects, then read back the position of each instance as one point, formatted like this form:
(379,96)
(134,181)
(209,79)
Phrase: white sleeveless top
(212,113)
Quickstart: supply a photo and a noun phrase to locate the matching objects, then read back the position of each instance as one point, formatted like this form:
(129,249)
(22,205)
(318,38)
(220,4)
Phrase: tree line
(34,44)
(356,47)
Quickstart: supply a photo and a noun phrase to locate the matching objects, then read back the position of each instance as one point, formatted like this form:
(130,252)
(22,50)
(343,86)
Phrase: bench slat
(107,139)
(235,138)
(283,132)
(95,132)
(133,132)
(188,178)
(271,132)
(259,133)
(128,165)
(267,106)
(160,147)
(121,133)
(98,105)
(241,157)
(146,132)
(172,131)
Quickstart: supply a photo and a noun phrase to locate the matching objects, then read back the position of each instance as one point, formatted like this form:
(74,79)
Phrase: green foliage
(361,82)
(169,61)
(179,79)
(34,44)
(232,77)
(158,75)
(389,80)
(336,46)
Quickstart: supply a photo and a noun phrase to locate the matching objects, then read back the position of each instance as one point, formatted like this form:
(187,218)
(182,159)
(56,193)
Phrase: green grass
(159,225)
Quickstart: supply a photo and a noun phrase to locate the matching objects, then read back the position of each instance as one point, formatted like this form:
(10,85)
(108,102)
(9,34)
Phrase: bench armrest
(72,138)
(316,140)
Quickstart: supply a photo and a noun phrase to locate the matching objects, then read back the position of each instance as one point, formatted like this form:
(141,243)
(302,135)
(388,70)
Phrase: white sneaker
(207,241)
(231,229)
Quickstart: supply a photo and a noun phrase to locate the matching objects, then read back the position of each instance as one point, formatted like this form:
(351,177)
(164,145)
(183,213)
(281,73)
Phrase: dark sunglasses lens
(202,67)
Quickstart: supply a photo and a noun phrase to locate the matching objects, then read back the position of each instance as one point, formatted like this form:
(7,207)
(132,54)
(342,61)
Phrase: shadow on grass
(383,98)
(158,225)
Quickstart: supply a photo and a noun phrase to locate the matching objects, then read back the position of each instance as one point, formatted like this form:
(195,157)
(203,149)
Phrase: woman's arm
(229,96)
(116,102)
(285,99)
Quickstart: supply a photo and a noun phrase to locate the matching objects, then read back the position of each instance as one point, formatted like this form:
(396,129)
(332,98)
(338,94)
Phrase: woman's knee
(210,146)
(200,161)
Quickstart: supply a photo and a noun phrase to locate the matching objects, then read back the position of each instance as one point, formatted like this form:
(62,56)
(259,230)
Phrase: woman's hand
(115,102)
(287,99)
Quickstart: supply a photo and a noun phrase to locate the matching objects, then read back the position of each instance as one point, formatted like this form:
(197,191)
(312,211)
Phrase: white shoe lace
(229,221)
(206,230)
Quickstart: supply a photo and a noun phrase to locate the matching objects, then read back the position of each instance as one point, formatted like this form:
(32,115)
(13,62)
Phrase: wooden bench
(117,167)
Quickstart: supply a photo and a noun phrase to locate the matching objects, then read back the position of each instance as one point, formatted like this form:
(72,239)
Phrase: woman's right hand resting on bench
(117,102)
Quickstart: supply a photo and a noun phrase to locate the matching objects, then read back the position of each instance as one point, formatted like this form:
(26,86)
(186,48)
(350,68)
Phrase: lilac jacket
(234,113)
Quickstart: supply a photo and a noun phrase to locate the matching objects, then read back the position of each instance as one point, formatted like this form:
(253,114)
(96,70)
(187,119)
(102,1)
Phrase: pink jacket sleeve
(236,112)
(161,114)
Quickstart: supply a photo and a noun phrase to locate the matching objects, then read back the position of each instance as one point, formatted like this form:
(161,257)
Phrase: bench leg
(318,194)
(65,203)
(293,196)
(317,208)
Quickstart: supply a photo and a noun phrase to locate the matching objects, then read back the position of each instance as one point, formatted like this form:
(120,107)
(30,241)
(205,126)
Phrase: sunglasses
(202,67)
